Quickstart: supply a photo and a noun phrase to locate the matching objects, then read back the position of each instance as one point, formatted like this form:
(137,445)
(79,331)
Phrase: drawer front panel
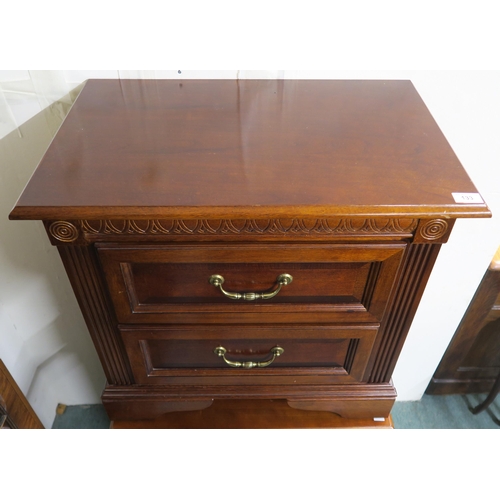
(171,284)
(167,284)
(179,355)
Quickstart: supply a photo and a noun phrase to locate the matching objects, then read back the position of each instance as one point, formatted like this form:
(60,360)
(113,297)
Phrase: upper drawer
(171,284)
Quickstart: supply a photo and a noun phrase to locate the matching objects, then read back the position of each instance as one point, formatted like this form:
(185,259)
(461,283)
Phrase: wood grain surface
(253,414)
(20,414)
(251,148)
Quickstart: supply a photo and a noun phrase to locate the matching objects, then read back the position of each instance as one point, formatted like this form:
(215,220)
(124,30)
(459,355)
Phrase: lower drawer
(229,354)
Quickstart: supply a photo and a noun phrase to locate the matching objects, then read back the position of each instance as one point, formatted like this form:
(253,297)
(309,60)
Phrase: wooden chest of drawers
(249,239)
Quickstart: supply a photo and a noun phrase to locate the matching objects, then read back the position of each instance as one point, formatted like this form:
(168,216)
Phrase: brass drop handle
(282,280)
(276,351)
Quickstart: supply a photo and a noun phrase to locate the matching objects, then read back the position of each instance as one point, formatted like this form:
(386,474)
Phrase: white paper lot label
(467,198)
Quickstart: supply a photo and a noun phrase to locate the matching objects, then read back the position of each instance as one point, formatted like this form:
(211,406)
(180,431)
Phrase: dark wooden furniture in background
(15,410)
(152,190)
(472,361)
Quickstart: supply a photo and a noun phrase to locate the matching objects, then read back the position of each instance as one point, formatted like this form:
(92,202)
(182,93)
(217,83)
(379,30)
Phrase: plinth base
(252,414)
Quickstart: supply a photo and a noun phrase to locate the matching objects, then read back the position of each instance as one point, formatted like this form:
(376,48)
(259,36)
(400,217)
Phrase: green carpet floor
(431,412)
(446,412)
(82,417)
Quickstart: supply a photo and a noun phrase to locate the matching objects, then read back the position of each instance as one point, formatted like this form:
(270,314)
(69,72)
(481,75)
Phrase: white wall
(43,340)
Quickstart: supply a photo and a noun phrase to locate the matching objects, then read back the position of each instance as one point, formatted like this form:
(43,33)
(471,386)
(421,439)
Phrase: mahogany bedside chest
(251,239)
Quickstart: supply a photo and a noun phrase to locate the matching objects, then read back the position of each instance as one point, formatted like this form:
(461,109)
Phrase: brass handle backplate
(282,280)
(276,351)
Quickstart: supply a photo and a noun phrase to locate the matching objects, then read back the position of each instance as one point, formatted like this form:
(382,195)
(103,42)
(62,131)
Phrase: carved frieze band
(74,231)
(249,226)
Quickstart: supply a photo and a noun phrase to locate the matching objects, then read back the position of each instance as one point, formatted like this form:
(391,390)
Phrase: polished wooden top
(250,148)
